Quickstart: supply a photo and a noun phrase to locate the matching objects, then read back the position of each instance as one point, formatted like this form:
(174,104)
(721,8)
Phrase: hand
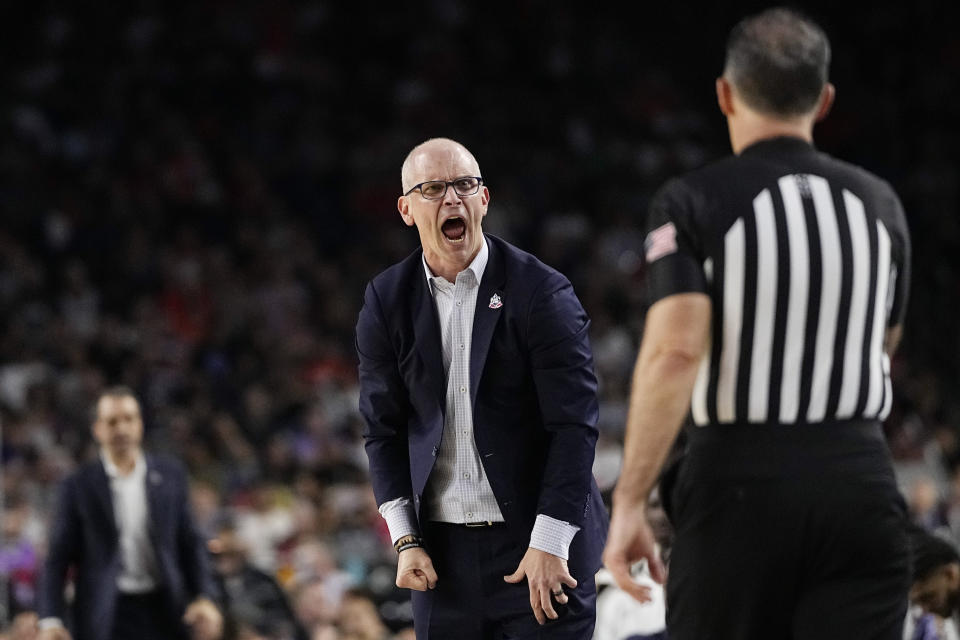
(629,540)
(415,570)
(204,620)
(546,574)
(54,633)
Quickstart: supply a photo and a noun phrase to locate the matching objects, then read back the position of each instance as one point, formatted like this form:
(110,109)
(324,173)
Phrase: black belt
(480,524)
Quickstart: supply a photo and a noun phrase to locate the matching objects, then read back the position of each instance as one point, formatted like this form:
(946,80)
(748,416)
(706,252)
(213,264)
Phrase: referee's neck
(749,128)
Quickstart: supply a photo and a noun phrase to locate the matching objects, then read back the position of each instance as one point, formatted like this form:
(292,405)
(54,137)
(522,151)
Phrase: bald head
(448,220)
(429,152)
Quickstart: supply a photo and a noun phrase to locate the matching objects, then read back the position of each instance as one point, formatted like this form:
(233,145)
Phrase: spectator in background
(314,562)
(266,524)
(20,553)
(926,506)
(359,619)
(252,599)
(123,522)
(315,607)
(936,587)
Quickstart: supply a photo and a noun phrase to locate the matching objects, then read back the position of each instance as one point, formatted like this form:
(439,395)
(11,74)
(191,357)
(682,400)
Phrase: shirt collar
(477,266)
(139,466)
(778,144)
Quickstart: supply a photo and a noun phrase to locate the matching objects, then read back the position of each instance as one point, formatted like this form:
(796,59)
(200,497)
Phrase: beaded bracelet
(406,540)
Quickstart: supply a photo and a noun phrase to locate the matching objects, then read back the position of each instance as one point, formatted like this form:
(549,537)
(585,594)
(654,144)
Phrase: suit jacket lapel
(154,486)
(486,316)
(101,489)
(427,335)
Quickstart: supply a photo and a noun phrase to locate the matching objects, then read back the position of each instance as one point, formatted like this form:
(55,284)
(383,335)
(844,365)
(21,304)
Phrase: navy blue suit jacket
(532,387)
(84,536)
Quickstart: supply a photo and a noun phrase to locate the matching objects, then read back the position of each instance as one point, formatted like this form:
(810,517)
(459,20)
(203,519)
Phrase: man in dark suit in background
(478,389)
(123,523)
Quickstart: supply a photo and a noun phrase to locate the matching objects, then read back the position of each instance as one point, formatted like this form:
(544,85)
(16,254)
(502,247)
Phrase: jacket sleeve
(384,404)
(64,542)
(566,387)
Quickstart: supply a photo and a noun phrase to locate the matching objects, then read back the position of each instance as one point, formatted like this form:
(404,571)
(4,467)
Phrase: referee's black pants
(472,601)
(787,532)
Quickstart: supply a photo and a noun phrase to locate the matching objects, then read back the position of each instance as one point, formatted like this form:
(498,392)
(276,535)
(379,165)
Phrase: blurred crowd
(193,197)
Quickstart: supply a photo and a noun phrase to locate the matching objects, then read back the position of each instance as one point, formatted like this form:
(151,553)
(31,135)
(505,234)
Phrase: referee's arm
(676,336)
(902,250)
(891,339)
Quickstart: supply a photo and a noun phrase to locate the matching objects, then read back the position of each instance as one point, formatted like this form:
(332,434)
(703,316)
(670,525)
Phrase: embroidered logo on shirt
(660,242)
(495,302)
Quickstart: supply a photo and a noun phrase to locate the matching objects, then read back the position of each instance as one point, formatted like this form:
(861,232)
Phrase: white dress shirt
(138,572)
(458,490)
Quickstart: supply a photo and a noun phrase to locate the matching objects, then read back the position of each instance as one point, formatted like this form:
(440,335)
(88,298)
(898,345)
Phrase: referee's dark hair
(778,62)
(930,552)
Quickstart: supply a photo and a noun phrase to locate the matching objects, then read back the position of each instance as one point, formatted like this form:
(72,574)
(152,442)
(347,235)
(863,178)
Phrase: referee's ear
(827,94)
(725,96)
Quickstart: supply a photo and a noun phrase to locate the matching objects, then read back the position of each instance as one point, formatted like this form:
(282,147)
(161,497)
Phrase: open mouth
(454,229)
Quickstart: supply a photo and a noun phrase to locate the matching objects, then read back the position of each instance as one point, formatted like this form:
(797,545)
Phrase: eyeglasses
(436,189)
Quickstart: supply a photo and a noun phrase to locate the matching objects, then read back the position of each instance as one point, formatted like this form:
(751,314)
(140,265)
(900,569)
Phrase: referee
(778,281)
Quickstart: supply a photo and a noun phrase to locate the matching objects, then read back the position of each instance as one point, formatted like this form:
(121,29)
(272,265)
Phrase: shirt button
(469,514)
(465,432)
(461,347)
(463,389)
(459,302)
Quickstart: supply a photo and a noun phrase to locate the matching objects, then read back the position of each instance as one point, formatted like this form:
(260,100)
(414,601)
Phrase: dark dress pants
(146,616)
(471,600)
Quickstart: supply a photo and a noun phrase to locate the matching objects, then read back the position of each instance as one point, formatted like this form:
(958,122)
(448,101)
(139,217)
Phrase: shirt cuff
(49,623)
(401,518)
(553,536)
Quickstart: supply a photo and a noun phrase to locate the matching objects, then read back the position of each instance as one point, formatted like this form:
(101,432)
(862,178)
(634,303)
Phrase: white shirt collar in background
(139,466)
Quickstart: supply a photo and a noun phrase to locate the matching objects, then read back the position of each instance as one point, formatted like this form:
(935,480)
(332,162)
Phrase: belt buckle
(482,523)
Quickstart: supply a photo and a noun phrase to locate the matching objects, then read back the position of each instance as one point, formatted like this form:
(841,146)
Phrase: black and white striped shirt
(806,260)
